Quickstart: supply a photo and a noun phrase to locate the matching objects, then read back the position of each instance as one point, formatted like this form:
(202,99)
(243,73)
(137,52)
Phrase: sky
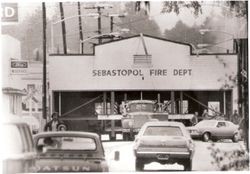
(164,21)
(28,7)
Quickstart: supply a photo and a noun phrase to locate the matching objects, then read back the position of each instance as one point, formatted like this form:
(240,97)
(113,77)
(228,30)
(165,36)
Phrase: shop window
(167,106)
(214,108)
(100,109)
(184,107)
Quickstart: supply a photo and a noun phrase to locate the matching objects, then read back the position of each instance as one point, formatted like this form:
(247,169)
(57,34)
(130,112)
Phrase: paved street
(202,159)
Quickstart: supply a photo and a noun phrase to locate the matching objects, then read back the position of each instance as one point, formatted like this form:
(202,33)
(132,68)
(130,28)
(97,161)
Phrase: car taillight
(190,144)
(130,124)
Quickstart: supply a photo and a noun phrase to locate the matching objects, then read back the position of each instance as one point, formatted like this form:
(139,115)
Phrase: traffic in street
(202,160)
(126,86)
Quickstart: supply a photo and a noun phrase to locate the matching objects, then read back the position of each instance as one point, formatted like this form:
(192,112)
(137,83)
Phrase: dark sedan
(163,142)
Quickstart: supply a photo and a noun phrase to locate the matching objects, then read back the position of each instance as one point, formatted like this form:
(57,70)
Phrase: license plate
(163,156)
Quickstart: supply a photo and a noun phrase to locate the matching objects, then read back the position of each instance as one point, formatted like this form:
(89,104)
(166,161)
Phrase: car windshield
(67,143)
(141,107)
(208,123)
(163,131)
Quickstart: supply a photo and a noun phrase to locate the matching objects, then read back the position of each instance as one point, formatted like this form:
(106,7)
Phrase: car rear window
(163,131)
(67,143)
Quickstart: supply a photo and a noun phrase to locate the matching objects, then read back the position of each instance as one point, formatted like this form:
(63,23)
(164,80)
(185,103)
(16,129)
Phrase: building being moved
(141,67)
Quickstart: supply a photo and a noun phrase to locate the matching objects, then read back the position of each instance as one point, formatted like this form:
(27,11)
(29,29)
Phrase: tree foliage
(239,7)
(137,22)
(234,160)
(176,6)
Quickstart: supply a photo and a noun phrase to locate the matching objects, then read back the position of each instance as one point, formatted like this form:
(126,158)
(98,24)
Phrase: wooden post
(181,103)
(99,24)
(112,106)
(60,103)
(172,103)
(44,110)
(80,28)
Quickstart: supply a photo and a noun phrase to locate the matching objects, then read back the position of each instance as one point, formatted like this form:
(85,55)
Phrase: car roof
(13,119)
(66,133)
(164,123)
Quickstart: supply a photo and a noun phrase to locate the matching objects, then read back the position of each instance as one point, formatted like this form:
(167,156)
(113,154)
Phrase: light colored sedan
(214,130)
(69,151)
(163,142)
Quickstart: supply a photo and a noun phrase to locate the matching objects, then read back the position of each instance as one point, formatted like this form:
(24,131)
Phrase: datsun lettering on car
(69,151)
(164,142)
(214,130)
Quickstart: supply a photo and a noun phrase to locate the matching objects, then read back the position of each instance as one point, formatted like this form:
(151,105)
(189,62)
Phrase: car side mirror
(117,156)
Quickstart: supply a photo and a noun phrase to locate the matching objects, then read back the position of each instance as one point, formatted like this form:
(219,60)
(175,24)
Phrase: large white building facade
(142,68)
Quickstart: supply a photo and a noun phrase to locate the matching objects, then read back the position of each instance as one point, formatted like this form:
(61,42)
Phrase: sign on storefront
(9,12)
(19,66)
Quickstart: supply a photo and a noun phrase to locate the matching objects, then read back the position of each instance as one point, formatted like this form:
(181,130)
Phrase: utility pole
(80,28)
(99,24)
(63,28)
(112,21)
(44,110)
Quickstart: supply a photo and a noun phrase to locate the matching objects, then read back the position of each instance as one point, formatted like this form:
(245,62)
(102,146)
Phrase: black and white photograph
(124,86)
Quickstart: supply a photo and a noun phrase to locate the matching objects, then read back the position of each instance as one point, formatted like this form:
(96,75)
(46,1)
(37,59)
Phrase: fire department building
(83,87)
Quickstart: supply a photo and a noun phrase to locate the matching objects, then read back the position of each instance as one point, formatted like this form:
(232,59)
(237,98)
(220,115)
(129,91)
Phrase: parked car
(164,142)
(215,130)
(69,151)
(17,149)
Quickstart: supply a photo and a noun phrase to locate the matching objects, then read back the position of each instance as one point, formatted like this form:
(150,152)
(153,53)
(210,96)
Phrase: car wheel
(206,137)
(139,164)
(235,138)
(188,165)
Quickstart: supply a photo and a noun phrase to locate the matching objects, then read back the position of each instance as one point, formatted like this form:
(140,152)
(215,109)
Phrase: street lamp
(112,34)
(204,45)
(95,15)
(204,31)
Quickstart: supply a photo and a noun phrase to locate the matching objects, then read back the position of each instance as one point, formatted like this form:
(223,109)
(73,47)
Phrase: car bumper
(163,153)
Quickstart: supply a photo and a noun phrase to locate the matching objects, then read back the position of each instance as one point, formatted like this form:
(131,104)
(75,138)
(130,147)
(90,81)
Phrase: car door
(231,128)
(220,129)
(224,129)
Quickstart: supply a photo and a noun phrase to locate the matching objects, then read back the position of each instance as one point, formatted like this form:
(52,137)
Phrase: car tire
(235,138)
(139,164)
(206,137)
(188,165)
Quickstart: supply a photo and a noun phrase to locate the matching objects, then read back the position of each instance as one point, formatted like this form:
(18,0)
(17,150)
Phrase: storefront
(142,68)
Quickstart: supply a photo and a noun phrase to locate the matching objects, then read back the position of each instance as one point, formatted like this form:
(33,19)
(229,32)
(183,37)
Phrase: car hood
(163,141)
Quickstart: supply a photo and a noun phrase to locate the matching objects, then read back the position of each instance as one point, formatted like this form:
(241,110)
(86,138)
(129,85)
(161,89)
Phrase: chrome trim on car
(175,153)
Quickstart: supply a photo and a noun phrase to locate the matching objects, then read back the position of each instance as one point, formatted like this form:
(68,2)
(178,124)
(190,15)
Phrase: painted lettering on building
(140,72)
